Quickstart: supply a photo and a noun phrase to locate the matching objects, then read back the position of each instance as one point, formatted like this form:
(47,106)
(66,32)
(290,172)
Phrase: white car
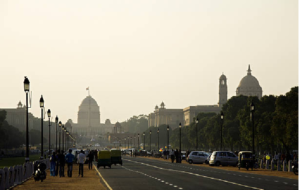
(197,157)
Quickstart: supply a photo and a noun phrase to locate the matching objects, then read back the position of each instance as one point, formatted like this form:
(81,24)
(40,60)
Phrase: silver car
(197,157)
(223,158)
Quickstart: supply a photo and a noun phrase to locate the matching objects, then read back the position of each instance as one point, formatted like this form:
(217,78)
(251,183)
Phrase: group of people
(175,155)
(58,160)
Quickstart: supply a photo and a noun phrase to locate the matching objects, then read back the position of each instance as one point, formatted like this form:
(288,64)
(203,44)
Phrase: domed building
(88,119)
(89,113)
(249,86)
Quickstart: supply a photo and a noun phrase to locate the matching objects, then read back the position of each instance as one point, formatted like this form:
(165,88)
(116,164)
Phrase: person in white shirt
(81,159)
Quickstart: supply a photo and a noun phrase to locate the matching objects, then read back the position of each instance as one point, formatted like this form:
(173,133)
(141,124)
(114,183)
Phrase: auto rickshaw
(245,159)
(104,158)
(116,157)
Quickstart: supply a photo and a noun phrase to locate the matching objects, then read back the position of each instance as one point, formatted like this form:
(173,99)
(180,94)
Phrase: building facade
(249,86)
(88,120)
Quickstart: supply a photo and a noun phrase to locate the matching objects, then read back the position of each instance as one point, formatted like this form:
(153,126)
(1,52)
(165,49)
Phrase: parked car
(223,158)
(197,157)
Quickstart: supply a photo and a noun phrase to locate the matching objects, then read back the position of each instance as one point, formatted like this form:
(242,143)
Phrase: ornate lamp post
(56,121)
(150,140)
(222,118)
(144,140)
(180,142)
(26,89)
(168,128)
(42,120)
(128,141)
(138,141)
(59,136)
(157,139)
(252,109)
(49,115)
(197,133)
(63,137)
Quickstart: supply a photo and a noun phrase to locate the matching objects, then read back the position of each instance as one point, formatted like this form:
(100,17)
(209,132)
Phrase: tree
(285,122)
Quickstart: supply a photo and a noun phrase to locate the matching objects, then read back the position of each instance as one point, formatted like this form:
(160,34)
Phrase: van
(223,158)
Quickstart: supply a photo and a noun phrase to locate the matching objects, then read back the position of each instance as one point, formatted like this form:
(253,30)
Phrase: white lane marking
(285,183)
(172,184)
(212,178)
(179,188)
(175,185)
(295,184)
(276,181)
(102,178)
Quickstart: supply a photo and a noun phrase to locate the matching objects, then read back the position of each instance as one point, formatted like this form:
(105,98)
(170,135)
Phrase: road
(141,173)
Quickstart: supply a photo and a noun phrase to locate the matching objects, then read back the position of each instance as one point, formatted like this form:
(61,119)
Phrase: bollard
(267,164)
(261,164)
(2,182)
(21,173)
(272,165)
(11,176)
(6,183)
(16,182)
(284,166)
(290,166)
(278,165)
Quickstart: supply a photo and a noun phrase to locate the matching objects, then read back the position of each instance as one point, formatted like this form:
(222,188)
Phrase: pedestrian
(96,155)
(57,163)
(282,157)
(53,160)
(172,155)
(176,155)
(69,159)
(90,159)
(81,159)
(62,161)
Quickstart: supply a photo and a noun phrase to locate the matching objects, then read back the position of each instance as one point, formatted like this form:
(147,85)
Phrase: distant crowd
(59,160)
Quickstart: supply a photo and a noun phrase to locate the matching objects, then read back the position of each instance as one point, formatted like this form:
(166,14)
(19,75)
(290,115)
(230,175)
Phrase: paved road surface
(141,173)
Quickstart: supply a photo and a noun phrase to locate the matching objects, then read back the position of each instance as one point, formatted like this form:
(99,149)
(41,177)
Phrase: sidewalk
(290,175)
(90,180)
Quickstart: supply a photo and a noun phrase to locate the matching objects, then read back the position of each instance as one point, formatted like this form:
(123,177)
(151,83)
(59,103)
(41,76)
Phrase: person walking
(62,161)
(90,159)
(69,159)
(53,160)
(81,159)
(172,155)
(57,163)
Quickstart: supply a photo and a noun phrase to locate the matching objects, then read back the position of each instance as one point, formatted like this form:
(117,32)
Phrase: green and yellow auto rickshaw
(116,157)
(104,159)
(245,159)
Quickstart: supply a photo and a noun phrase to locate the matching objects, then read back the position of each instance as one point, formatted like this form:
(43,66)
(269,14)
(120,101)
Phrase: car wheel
(218,163)
(190,161)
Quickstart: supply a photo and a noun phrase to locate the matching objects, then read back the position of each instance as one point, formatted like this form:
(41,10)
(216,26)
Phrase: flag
(87,88)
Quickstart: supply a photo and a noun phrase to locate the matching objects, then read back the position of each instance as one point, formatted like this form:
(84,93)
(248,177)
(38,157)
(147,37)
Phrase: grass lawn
(7,162)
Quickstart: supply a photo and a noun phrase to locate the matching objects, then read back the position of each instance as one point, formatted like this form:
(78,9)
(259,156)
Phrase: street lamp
(62,137)
(26,89)
(42,120)
(138,141)
(168,128)
(157,139)
(49,115)
(252,109)
(59,136)
(150,140)
(179,143)
(197,133)
(128,142)
(56,121)
(222,118)
(144,140)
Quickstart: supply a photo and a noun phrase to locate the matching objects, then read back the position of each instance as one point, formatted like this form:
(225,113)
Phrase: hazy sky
(135,54)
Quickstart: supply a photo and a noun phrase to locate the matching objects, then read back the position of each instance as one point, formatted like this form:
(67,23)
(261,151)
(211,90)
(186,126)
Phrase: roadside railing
(15,175)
